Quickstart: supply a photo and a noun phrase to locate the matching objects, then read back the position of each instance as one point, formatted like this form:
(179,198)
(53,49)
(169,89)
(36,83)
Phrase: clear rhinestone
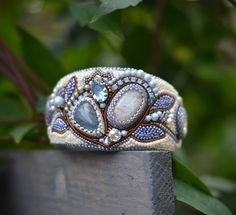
(114,135)
(99,91)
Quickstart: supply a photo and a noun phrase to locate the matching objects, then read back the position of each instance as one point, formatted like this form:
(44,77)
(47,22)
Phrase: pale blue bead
(120,82)
(114,87)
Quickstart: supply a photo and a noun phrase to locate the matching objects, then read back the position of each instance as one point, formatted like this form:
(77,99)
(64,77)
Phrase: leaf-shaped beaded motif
(148,132)
(163,102)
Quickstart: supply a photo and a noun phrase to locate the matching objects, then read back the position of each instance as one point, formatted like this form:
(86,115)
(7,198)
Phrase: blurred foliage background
(191,44)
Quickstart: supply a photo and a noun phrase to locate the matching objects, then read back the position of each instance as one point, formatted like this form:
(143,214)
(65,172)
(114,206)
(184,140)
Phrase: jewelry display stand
(56,182)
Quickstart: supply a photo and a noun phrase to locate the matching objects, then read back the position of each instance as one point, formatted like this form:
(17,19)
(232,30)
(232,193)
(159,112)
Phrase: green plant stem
(24,67)
(17,79)
(15,121)
(233,2)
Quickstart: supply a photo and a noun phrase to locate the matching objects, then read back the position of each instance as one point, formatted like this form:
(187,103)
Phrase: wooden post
(55,182)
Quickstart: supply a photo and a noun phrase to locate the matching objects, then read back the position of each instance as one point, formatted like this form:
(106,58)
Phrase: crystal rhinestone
(114,135)
(85,115)
(99,91)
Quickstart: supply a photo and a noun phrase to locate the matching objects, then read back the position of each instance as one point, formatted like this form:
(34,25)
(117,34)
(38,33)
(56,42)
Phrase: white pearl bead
(179,99)
(155,90)
(148,118)
(153,83)
(133,72)
(102,105)
(147,77)
(128,72)
(155,116)
(80,89)
(58,101)
(124,133)
(52,108)
(86,87)
(140,73)
(185,130)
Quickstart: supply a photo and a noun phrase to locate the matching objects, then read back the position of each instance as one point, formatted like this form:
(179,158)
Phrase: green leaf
(20,131)
(41,104)
(84,12)
(12,109)
(199,200)
(110,23)
(219,183)
(40,59)
(108,6)
(186,175)
(9,33)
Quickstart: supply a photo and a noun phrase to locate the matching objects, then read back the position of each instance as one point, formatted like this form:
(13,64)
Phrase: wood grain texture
(58,182)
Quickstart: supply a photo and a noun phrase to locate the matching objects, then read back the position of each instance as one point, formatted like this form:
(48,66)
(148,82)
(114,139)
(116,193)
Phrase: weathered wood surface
(58,182)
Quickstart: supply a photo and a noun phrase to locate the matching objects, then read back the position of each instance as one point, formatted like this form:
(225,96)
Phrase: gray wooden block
(58,182)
